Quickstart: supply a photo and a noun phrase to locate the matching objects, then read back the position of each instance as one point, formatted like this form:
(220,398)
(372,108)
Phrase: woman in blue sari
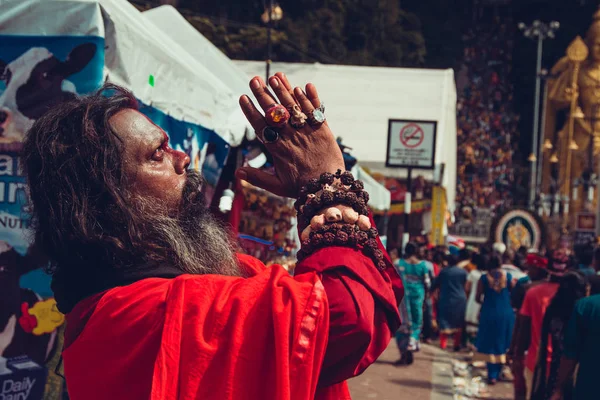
(497,318)
(415,277)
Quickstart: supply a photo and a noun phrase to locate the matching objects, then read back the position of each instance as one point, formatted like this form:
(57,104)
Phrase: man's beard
(190,239)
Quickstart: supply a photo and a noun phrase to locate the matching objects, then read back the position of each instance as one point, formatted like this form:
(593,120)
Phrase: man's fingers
(283,79)
(304,102)
(284,96)
(260,179)
(313,96)
(253,116)
(260,91)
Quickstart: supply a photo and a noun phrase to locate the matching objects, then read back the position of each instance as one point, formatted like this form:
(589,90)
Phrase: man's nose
(181,161)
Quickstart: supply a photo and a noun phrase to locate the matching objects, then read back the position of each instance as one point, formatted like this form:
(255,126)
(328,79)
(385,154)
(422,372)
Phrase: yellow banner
(438,215)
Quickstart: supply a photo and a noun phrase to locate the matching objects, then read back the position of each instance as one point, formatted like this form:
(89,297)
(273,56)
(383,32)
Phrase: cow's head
(35,82)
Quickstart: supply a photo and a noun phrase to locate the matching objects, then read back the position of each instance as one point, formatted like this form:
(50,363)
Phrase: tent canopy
(135,49)
(380,197)
(361,100)
(176,27)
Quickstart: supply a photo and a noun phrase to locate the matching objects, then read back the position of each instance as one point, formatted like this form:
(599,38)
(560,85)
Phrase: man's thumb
(260,179)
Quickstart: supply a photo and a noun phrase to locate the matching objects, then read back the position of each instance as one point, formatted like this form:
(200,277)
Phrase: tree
(360,32)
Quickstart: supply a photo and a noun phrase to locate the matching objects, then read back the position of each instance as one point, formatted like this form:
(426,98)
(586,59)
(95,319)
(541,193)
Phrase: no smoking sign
(411,144)
(411,135)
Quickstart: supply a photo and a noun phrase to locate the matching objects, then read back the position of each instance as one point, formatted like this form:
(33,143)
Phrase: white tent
(176,27)
(135,49)
(360,101)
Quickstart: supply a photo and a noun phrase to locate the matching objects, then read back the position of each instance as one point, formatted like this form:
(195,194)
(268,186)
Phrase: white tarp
(380,197)
(360,101)
(175,26)
(135,49)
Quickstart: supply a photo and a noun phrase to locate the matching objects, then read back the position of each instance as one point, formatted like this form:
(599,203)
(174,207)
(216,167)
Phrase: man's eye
(158,154)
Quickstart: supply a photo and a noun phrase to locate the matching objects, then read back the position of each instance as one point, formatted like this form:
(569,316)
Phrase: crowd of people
(538,314)
(487,125)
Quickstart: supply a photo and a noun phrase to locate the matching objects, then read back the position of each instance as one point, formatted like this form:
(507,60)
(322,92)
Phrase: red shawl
(217,337)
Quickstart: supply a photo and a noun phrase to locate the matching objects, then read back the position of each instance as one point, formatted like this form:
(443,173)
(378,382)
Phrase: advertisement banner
(36,72)
(438,216)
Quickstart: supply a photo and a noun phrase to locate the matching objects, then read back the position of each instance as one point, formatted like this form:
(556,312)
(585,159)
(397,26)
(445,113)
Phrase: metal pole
(269,22)
(541,138)
(536,120)
(407,206)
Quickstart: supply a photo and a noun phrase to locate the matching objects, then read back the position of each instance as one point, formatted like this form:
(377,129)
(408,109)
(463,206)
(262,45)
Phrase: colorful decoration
(42,318)
(517,228)
(277,116)
(266,225)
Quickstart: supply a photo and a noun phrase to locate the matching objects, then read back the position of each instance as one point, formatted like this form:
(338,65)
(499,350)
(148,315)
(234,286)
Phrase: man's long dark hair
(85,218)
(74,168)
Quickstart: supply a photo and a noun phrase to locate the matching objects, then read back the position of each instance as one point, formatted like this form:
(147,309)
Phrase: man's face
(153,168)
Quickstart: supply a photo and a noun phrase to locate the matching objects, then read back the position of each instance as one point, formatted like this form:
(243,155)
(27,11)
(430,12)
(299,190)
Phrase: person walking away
(439,261)
(536,267)
(415,277)
(508,263)
(464,259)
(594,280)
(528,326)
(452,302)
(572,288)
(428,324)
(585,259)
(497,318)
(402,335)
(473,307)
(581,348)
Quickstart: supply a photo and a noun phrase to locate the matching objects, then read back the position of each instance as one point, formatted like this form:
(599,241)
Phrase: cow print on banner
(35,82)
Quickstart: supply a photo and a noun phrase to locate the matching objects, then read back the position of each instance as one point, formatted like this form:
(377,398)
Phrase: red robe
(269,336)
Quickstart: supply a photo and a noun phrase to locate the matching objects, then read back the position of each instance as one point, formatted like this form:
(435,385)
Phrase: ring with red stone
(277,116)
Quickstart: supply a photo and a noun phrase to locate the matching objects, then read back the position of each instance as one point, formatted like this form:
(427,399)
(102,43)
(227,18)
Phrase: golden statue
(574,87)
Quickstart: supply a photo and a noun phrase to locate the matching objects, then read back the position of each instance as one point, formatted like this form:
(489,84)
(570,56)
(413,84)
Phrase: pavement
(430,377)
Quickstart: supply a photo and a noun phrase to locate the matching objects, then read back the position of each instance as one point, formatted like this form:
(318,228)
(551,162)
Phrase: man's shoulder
(540,288)
(251,265)
(537,292)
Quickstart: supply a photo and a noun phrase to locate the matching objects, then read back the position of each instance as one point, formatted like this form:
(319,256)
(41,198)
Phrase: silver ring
(316,116)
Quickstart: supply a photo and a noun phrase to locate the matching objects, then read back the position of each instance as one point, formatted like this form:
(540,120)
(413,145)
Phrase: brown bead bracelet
(347,197)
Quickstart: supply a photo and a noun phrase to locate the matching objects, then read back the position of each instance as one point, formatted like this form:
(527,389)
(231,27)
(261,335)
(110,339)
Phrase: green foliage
(359,32)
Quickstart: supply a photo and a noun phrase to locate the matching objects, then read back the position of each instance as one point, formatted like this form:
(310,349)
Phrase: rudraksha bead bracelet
(332,211)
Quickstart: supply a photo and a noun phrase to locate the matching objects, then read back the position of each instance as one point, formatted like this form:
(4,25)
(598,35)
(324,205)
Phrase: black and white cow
(15,338)
(35,82)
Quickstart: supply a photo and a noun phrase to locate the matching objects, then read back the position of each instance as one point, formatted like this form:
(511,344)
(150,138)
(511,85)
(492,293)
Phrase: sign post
(410,145)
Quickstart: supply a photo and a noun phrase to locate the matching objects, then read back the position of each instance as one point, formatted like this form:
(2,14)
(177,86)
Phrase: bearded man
(158,304)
